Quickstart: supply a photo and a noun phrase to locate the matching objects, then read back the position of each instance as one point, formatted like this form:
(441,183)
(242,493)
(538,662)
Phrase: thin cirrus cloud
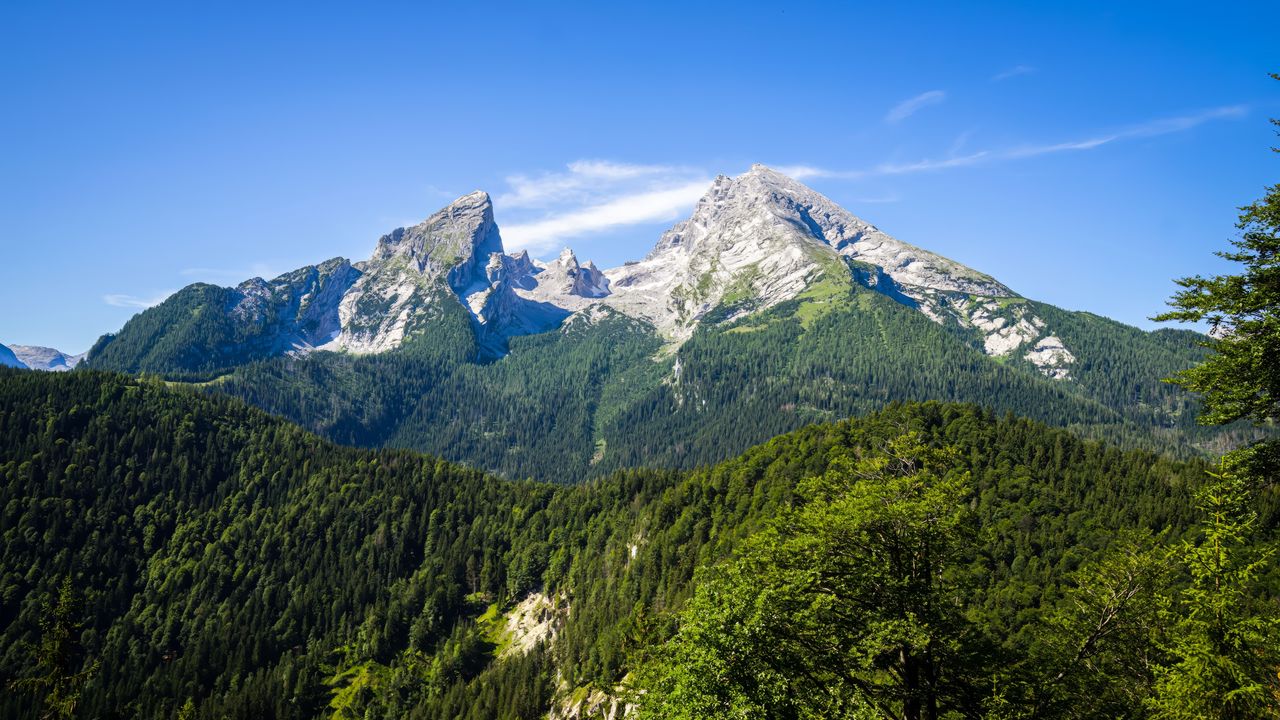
(911,106)
(258,269)
(584,180)
(135,302)
(652,206)
(595,195)
(1153,128)
(1013,72)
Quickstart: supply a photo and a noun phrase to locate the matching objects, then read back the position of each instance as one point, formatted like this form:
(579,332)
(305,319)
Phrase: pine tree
(1241,378)
(58,668)
(1224,640)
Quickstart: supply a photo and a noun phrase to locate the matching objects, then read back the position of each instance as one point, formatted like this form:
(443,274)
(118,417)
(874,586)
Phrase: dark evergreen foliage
(236,561)
(591,398)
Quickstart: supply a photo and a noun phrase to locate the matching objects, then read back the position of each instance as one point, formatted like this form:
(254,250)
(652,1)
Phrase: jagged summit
(774,199)
(753,241)
(38,357)
(458,235)
(763,238)
(772,237)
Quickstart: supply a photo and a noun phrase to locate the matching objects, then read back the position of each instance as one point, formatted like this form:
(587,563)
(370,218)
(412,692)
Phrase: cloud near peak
(135,302)
(591,196)
(597,195)
(629,209)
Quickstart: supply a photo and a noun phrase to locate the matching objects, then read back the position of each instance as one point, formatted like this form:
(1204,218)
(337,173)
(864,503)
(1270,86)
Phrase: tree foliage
(242,564)
(848,606)
(1240,379)
(594,397)
(1223,630)
(58,669)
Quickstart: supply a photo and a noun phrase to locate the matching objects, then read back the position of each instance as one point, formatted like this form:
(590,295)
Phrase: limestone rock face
(299,308)
(399,288)
(41,358)
(563,282)
(752,242)
(747,239)
(1051,357)
(9,359)
(762,238)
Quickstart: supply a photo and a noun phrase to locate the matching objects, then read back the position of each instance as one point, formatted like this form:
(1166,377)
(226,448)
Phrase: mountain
(765,236)
(229,560)
(411,281)
(45,358)
(9,359)
(770,307)
(753,241)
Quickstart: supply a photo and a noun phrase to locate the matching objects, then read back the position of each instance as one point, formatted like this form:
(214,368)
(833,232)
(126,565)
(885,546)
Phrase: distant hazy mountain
(768,308)
(9,359)
(45,358)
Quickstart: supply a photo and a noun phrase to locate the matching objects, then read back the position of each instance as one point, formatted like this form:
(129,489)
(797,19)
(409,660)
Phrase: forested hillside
(593,397)
(768,309)
(234,565)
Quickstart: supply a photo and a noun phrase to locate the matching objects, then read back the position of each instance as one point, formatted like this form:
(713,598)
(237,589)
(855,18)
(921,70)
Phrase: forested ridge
(601,395)
(232,564)
(168,550)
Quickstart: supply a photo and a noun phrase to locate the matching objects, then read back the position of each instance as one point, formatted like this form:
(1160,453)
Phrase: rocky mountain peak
(9,359)
(462,232)
(752,241)
(37,357)
(762,238)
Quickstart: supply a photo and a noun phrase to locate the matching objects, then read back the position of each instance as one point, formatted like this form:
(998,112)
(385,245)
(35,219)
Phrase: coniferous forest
(837,508)
(197,552)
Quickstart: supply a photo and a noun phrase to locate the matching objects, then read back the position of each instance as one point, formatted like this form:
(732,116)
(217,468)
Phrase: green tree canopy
(848,606)
(1241,378)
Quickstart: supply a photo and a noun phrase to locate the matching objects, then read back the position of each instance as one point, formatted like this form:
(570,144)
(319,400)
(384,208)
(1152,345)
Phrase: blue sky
(1083,154)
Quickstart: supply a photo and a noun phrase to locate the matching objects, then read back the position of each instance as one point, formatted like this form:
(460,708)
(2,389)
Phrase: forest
(916,533)
(591,398)
(204,559)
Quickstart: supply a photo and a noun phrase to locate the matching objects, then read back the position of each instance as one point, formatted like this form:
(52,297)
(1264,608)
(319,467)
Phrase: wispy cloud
(594,195)
(233,275)
(1153,128)
(584,180)
(651,206)
(1013,72)
(909,107)
(801,172)
(133,301)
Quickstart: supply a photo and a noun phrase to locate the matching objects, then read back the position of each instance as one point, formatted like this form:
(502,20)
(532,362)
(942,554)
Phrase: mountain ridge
(38,357)
(758,239)
(764,311)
